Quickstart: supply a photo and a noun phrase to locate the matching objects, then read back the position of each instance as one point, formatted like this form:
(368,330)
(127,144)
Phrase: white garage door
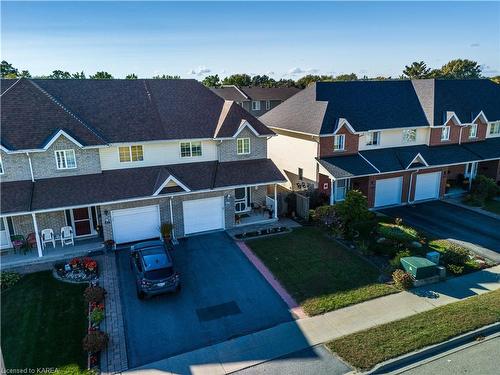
(427,186)
(203,214)
(388,191)
(135,224)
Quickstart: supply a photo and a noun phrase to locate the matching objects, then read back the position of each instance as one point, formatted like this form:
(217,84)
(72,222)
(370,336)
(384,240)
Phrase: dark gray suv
(153,269)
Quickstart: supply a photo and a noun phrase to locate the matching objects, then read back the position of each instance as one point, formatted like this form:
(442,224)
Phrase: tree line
(454,69)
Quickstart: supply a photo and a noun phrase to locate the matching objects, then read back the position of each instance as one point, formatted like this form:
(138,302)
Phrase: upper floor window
(372,138)
(268,104)
(1,166)
(495,128)
(189,149)
(409,135)
(65,159)
(131,153)
(445,133)
(255,105)
(473,131)
(339,142)
(243,146)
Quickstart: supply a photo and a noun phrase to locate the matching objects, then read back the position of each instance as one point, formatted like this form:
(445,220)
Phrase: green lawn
(492,206)
(319,273)
(367,348)
(43,324)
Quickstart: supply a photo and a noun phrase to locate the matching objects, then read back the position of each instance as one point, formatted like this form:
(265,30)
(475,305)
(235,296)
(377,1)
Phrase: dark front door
(82,221)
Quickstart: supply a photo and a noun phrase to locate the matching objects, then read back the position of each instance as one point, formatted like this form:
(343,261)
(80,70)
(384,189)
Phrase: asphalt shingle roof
(96,112)
(487,149)
(245,93)
(119,184)
(347,166)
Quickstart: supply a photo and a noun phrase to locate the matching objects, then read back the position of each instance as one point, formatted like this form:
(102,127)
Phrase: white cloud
(489,70)
(296,71)
(201,70)
(475,45)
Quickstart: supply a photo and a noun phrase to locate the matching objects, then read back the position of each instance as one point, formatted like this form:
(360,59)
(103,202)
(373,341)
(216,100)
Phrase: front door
(82,221)
(242,199)
(4,234)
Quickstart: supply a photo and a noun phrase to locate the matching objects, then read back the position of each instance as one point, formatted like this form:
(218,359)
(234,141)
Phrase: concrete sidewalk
(286,338)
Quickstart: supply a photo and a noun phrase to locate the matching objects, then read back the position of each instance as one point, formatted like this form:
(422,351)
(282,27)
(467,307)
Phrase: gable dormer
(343,141)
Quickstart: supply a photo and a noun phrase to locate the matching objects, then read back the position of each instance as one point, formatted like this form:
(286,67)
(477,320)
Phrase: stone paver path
(114,358)
(290,337)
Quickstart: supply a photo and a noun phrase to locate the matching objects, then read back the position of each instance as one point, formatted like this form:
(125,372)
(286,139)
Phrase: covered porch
(255,204)
(50,234)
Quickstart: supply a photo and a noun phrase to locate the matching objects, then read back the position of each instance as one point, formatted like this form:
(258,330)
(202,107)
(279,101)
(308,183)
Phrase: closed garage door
(135,224)
(201,215)
(388,191)
(427,186)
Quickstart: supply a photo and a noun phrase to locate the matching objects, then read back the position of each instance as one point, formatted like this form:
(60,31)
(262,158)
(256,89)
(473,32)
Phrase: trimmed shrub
(8,279)
(399,233)
(353,211)
(396,261)
(94,294)
(483,188)
(96,316)
(454,269)
(455,254)
(402,279)
(95,341)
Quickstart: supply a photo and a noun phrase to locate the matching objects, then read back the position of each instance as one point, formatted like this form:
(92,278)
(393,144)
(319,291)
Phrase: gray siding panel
(258,147)
(16,167)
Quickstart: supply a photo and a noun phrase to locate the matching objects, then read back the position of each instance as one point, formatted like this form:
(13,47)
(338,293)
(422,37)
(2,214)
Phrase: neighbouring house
(396,141)
(117,158)
(256,100)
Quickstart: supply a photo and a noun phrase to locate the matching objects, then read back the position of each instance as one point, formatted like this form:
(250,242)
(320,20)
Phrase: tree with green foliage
(78,75)
(417,70)
(346,77)
(101,75)
(166,76)
(353,211)
(238,80)
(7,70)
(496,79)
(24,74)
(212,81)
(59,74)
(263,81)
(285,83)
(461,69)
(131,76)
(310,78)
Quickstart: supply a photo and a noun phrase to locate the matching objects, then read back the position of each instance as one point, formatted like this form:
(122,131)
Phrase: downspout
(31,167)
(172,219)
(408,200)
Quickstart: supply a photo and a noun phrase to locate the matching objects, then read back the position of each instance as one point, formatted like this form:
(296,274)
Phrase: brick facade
(324,184)
(16,167)
(490,169)
(435,136)
(350,147)
(258,147)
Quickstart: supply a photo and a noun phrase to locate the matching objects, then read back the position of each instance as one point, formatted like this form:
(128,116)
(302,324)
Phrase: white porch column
(37,236)
(275,201)
(332,191)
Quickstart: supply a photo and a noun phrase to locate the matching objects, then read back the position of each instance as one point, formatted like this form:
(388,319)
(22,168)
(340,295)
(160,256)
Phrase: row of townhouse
(398,142)
(256,100)
(117,158)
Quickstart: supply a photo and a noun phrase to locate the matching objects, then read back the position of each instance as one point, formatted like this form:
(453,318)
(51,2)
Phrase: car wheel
(140,294)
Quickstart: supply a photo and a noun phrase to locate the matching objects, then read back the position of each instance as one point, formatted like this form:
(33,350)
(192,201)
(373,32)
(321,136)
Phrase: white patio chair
(48,237)
(67,236)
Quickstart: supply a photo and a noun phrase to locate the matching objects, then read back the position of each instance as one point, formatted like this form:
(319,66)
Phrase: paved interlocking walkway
(114,358)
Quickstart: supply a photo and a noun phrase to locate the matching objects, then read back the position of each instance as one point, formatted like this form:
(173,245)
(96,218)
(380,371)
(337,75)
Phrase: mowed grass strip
(43,323)
(318,272)
(367,348)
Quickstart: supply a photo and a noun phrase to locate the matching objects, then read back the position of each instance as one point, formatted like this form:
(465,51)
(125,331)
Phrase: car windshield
(159,274)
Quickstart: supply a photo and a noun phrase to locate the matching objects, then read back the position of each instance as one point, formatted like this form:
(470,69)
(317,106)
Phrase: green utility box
(418,267)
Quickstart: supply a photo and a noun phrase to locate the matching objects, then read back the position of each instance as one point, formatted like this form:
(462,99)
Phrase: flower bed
(77,270)
(96,340)
(262,232)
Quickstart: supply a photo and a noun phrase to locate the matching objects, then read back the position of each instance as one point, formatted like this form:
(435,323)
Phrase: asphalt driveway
(449,221)
(222,296)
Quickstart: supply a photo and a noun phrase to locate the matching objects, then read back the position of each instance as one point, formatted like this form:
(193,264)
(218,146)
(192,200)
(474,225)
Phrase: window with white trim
(255,105)
(372,138)
(339,142)
(409,135)
(190,149)
(1,165)
(65,159)
(243,146)
(445,133)
(268,104)
(473,131)
(130,153)
(495,128)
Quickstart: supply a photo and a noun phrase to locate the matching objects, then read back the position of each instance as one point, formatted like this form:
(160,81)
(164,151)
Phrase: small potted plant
(74,263)
(237,218)
(109,244)
(166,232)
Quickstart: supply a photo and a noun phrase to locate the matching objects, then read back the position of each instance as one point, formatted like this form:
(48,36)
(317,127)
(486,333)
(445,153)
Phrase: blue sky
(282,39)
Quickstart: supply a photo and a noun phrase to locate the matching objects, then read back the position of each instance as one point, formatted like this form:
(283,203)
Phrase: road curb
(427,354)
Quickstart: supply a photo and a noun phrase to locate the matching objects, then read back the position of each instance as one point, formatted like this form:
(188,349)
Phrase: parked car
(153,268)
